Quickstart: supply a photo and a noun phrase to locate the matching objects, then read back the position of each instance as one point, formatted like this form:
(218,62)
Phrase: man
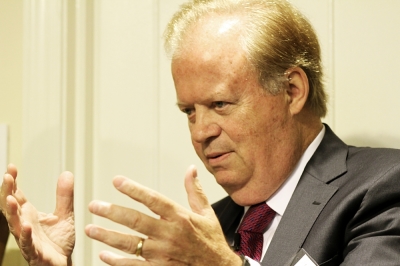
(248,76)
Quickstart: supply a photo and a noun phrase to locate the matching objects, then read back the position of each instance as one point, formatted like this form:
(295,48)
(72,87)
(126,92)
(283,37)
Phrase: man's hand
(44,239)
(178,237)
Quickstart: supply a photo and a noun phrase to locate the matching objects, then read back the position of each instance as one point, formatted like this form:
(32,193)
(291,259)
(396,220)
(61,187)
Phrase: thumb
(197,199)
(65,195)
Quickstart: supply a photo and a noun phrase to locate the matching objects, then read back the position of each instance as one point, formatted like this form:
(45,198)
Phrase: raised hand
(44,239)
(178,237)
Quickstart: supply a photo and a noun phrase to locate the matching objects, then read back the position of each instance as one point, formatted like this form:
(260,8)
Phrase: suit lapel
(229,215)
(309,198)
(307,202)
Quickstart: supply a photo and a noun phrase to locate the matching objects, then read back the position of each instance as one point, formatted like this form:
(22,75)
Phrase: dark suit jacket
(345,209)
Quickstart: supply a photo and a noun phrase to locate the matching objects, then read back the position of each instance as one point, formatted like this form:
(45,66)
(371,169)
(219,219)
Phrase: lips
(215,155)
(216,158)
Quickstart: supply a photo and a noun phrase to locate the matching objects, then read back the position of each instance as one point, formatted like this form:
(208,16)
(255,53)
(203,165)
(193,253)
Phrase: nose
(204,127)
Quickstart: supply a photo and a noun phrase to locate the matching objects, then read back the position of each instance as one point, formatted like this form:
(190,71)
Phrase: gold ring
(139,247)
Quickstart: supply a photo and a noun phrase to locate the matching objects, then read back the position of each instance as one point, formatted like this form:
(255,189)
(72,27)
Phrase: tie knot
(257,218)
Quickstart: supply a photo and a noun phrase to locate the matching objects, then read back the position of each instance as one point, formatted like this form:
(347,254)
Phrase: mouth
(214,155)
(217,158)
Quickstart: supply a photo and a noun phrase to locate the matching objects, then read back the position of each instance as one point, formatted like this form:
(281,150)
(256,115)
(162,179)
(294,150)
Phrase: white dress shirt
(280,199)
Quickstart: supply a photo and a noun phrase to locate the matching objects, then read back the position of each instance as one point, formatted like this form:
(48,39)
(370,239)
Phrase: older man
(248,76)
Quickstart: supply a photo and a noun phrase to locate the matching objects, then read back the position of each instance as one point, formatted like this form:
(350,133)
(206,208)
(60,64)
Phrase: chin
(243,198)
(235,191)
(227,180)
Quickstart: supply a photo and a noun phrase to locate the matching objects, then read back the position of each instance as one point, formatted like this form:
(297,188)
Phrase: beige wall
(92,92)
(11,73)
(366,63)
(11,68)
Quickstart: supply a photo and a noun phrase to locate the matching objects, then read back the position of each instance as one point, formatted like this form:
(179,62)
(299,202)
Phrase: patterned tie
(252,228)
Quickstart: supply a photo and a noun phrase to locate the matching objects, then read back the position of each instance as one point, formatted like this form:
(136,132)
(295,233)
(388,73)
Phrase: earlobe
(297,89)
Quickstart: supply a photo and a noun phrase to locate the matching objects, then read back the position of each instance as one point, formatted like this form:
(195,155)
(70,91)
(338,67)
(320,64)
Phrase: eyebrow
(212,95)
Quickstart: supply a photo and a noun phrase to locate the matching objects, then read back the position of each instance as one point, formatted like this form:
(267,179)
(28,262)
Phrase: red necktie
(252,228)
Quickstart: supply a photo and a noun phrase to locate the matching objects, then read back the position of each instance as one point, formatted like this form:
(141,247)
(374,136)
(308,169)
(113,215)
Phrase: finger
(197,198)
(113,259)
(26,243)
(6,189)
(65,195)
(153,200)
(9,187)
(13,217)
(124,242)
(131,218)
(12,170)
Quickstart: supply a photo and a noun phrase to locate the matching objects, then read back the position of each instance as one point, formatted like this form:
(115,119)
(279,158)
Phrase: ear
(297,90)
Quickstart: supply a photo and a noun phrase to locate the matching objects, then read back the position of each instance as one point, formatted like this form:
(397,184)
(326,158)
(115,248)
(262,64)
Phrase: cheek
(198,148)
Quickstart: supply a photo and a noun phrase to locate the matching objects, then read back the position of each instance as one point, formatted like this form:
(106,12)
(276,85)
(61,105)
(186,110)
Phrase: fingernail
(104,255)
(118,181)
(98,206)
(92,231)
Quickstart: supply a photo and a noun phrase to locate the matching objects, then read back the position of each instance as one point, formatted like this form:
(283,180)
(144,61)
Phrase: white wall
(98,98)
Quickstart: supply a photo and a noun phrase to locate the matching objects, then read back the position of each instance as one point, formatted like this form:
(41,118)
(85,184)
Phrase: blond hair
(276,38)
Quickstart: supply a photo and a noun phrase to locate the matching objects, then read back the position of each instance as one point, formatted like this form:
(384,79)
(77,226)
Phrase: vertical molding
(42,93)
(3,147)
(57,106)
(92,57)
(157,65)
(80,117)
(66,83)
(331,64)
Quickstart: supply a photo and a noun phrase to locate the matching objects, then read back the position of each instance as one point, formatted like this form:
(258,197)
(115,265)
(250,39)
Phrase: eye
(187,111)
(219,104)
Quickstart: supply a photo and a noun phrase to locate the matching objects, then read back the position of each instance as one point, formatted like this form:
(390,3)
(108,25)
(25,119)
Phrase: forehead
(211,33)
(215,68)
(211,59)
(212,75)
(214,42)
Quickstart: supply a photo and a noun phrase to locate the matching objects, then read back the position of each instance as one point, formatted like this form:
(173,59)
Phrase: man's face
(240,132)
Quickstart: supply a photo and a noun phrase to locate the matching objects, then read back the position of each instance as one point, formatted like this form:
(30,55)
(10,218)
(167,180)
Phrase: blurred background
(85,86)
